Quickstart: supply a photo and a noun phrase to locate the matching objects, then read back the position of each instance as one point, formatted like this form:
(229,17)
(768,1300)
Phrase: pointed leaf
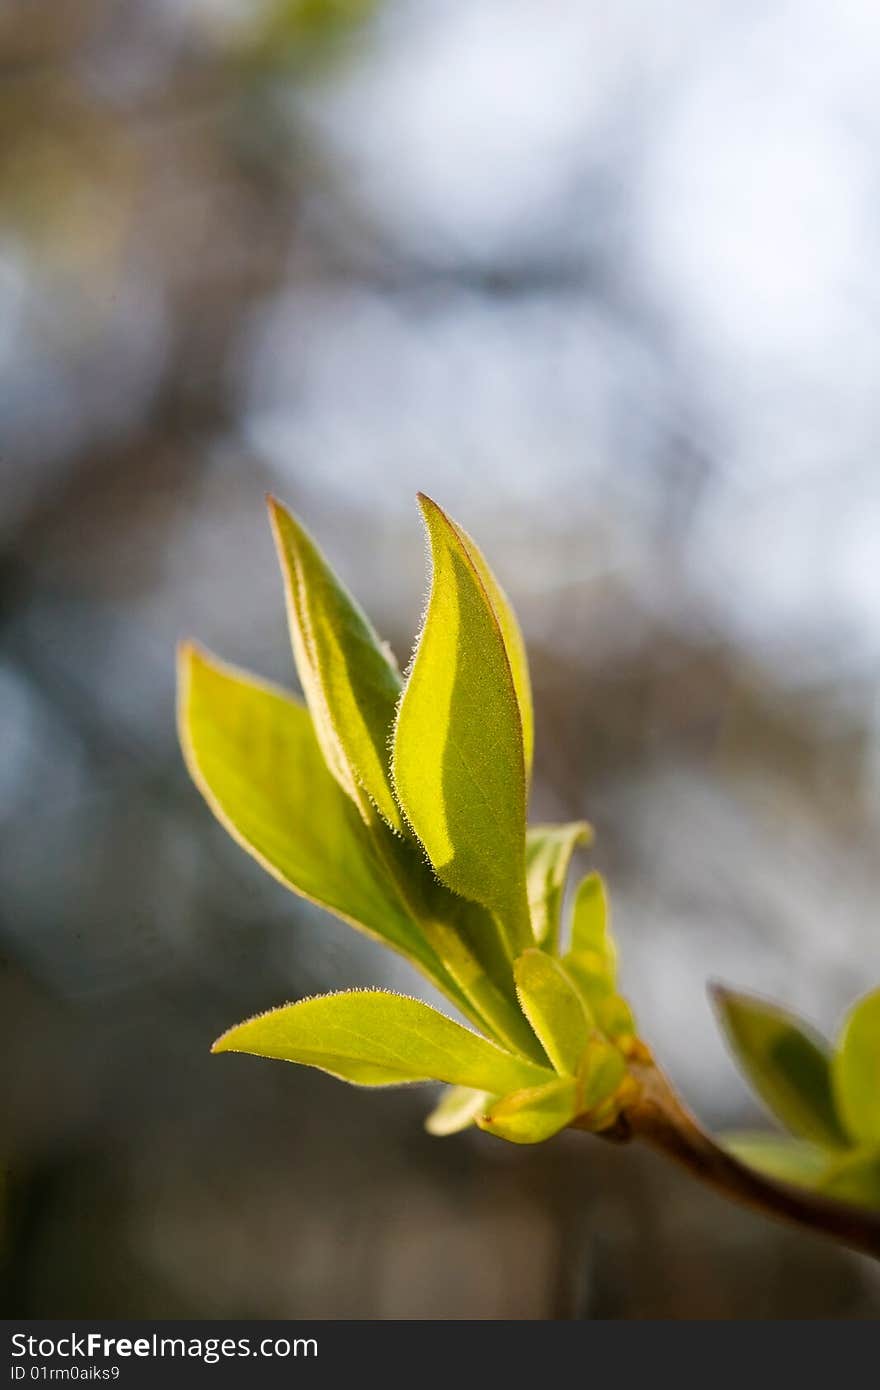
(350,680)
(548,855)
(857,1071)
(592,960)
(786,1061)
(592,945)
(373,1038)
(787,1160)
(553,1007)
(458,762)
(252,752)
(513,641)
(456,1110)
(530,1116)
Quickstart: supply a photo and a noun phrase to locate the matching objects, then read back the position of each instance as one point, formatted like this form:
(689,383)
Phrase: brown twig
(658,1117)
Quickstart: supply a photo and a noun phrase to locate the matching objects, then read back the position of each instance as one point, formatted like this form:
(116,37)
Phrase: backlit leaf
(466,938)
(530,1116)
(591,961)
(350,680)
(513,641)
(601,1073)
(373,1038)
(252,752)
(857,1071)
(776,1156)
(787,1063)
(458,764)
(549,849)
(553,1007)
(592,945)
(457,1109)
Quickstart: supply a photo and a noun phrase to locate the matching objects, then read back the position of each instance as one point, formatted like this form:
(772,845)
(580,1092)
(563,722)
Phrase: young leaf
(856,1069)
(457,1109)
(466,938)
(548,855)
(513,641)
(553,1007)
(592,960)
(787,1063)
(612,1013)
(788,1160)
(592,947)
(373,1038)
(530,1116)
(350,680)
(601,1072)
(252,752)
(458,764)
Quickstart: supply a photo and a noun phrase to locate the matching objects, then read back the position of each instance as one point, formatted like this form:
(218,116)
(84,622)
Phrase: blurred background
(606,284)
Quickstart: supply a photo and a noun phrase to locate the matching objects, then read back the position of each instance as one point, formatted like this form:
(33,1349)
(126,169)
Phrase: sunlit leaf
(349,678)
(252,752)
(513,640)
(456,1110)
(532,1115)
(787,1063)
(788,1160)
(549,849)
(553,1007)
(467,939)
(592,948)
(591,961)
(373,1038)
(857,1071)
(601,1072)
(458,762)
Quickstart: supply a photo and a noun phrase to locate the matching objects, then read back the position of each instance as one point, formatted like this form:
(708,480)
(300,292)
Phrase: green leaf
(513,640)
(592,948)
(856,1178)
(553,1007)
(787,1160)
(549,849)
(592,960)
(252,752)
(349,677)
(532,1115)
(857,1071)
(458,762)
(467,940)
(457,1110)
(373,1038)
(601,1072)
(787,1063)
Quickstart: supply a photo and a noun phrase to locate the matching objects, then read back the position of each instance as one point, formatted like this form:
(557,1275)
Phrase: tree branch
(658,1117)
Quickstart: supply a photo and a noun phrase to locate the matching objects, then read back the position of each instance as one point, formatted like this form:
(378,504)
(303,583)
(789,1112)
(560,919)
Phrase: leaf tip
(278,515)
(720,994)
(431,509)
(188,651)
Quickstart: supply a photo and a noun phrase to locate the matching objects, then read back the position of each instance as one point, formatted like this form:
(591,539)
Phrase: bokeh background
(602,279)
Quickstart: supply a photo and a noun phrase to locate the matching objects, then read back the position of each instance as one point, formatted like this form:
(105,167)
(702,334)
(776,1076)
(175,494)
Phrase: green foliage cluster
(827,1098)
(399,804)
